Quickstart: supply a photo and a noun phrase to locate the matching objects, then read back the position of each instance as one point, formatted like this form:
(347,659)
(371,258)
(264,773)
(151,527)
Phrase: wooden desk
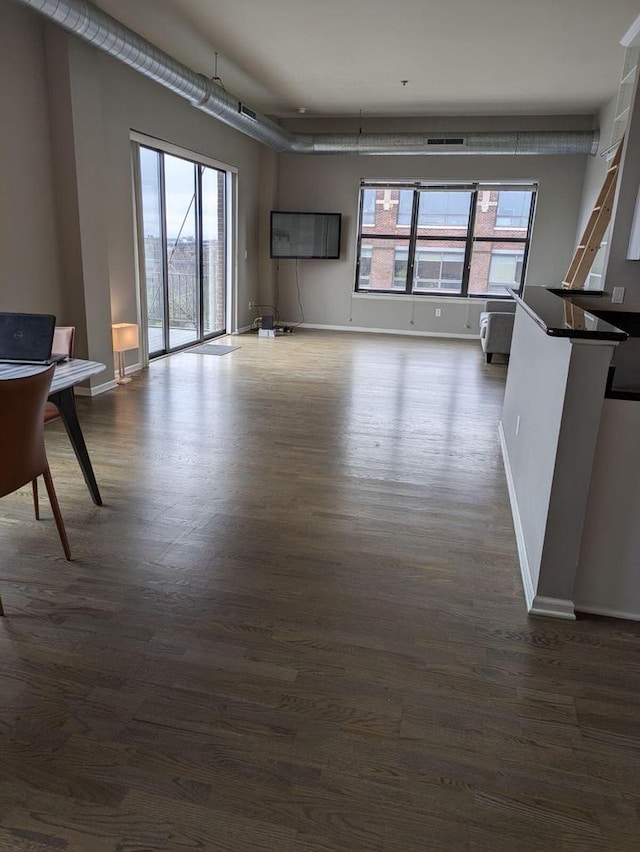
(66,375)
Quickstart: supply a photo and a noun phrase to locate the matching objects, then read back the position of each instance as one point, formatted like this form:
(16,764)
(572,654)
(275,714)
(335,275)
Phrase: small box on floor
(266,327)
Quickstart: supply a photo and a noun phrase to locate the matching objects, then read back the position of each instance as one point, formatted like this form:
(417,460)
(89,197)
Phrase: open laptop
(27,339)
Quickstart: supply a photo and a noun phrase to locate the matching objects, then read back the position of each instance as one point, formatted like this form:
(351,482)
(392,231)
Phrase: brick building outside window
(457,240)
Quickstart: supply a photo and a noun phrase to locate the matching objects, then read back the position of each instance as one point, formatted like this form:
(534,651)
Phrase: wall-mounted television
(305,235)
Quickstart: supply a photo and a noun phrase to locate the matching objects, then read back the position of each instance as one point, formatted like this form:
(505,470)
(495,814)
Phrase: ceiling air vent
(449,140)
(248,113)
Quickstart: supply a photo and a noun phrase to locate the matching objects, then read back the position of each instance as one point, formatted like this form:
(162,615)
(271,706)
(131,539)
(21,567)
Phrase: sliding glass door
(180,201)
(214,269)
(183,228)
(153,247)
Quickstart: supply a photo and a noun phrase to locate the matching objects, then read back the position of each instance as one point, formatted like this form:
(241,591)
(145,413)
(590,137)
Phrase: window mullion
(525,255)
(199,252)
(499,239)
(468,250)
(165,254)
(359,246)
(413,236)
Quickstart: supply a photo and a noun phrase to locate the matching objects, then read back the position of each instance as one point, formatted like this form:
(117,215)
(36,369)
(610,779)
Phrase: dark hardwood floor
(297,623)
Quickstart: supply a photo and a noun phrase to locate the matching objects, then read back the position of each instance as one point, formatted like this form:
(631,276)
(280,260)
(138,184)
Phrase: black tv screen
(305,235)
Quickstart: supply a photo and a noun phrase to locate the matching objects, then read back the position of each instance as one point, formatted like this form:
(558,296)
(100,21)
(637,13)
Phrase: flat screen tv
(305,235)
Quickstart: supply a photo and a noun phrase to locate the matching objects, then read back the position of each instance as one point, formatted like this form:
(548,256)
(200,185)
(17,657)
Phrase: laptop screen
(26,337)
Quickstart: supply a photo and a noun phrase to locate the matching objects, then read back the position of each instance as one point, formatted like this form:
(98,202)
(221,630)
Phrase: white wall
(596,167)
(550,419)
(595,458)
(534,396)
(621,272)
(330,183)
(608,572)
(84,268)
(66,211)
(30,275)
(122,100)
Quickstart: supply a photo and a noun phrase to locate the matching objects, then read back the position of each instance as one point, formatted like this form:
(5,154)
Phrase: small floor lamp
(125,337)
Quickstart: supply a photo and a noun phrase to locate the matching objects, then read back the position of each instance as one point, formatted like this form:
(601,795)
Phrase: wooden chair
(63,343)
(23,456)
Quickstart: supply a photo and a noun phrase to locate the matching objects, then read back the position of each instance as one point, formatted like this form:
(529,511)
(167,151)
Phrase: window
(365,266)
(458,240)
(505,270)
(438,270)
(369,207)
(400,266)
(513,209)
(449,209)
(405,206)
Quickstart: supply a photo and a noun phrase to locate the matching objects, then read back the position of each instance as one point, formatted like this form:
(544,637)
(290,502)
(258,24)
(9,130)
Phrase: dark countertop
(561,315)
(624,316)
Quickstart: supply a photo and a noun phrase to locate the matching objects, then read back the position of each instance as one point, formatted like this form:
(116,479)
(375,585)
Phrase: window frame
(510,226)
(228,244)
(369,256)
(512,254)
(446,216)
(443,251)
(414,241)
(365,211)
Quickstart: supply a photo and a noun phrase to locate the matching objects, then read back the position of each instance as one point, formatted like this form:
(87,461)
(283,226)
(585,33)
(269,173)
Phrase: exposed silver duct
(522,142)
(85,20)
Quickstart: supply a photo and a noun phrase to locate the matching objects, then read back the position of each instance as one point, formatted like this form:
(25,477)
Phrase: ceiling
(346,57)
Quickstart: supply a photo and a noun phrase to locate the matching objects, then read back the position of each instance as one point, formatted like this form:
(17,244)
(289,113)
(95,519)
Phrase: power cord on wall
(257,322)
(277,286)
(412,312)
(299,298)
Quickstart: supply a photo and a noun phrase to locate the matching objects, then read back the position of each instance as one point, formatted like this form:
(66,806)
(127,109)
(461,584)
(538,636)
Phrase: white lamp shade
(125,336)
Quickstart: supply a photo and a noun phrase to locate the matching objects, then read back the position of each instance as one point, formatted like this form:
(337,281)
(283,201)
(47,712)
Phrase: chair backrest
(22,452)
(64,340)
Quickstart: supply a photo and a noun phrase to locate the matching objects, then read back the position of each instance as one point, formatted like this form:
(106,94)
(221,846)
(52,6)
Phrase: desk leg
(66,402)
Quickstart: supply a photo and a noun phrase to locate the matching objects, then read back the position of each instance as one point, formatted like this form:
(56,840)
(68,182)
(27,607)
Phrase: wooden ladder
(595,230)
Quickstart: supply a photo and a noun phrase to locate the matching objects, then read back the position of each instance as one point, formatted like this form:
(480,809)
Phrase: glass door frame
(230,241)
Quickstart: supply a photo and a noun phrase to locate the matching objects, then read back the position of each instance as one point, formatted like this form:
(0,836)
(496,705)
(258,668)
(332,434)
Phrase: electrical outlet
(252,304)
(617,297)
(438,312)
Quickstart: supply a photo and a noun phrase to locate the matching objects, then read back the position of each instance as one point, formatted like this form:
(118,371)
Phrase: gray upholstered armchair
(496,327)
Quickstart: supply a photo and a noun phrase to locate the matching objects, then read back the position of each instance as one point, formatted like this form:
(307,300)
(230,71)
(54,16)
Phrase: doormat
(211,349)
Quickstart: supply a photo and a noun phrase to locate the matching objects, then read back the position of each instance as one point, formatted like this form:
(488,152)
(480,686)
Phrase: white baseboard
(611,613)
(536,604)
(527,583)
(553,608)
(96,390)
(241,330)
(397,331)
